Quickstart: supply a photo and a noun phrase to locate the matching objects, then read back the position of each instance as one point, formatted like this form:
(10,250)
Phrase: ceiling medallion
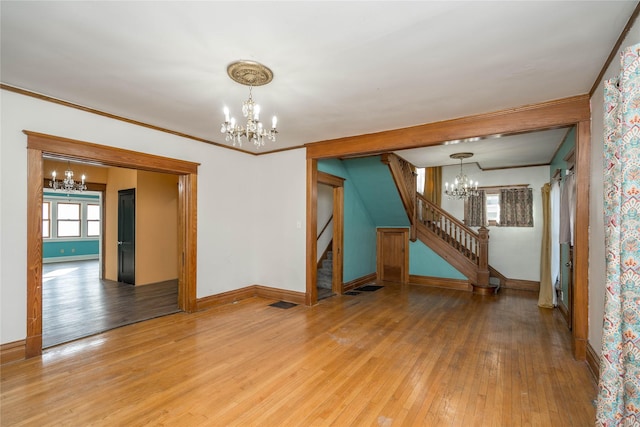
(250,74)
(462,187)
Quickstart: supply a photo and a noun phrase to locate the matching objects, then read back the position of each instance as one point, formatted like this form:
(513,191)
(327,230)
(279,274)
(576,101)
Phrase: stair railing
(324,228)
(472,245)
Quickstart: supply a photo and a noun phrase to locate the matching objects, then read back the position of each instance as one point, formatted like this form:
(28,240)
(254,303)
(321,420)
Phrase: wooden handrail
(325,227)
(405,180)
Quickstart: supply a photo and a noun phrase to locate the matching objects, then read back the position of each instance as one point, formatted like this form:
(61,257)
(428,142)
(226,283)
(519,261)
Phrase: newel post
(482,285)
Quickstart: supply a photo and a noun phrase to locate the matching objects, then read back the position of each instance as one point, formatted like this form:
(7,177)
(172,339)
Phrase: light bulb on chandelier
(462,186)
(249,74)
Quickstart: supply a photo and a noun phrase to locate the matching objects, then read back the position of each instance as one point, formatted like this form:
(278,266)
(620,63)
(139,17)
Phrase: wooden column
(482,284)
(34,253)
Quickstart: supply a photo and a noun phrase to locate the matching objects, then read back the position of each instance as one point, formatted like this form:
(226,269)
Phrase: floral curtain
(516,207)
(619,385)
(475,215)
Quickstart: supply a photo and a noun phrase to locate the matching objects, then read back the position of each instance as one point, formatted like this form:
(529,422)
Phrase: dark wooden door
(127,236)
(393,254)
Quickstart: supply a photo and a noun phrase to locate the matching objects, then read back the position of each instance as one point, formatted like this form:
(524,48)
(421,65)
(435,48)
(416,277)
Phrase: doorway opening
(40,146)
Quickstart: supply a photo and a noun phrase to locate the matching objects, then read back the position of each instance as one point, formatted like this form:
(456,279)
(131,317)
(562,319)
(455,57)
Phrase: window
(510,206)
(93,220)
(71,217)
(46,219)
(492,207)
(68,219)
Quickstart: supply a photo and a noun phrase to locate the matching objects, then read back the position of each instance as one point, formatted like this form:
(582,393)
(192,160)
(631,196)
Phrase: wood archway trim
(573,111)
(39,144)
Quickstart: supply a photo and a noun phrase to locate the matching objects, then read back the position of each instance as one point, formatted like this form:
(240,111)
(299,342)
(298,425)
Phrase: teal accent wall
(71,195)
(423,261)
(378,191)
(558,162)
(55,248)
(371,200)
(567,145)
(359,251)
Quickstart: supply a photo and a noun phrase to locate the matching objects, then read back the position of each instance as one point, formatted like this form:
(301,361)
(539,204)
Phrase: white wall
(513,251)
(242,201)
(280,231)
(597,264)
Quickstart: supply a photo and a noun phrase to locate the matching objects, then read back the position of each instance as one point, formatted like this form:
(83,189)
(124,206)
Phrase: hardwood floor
(403,355)
(76,303)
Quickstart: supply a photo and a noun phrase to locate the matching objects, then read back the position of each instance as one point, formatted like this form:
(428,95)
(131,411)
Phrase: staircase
(462,247)
(325,276)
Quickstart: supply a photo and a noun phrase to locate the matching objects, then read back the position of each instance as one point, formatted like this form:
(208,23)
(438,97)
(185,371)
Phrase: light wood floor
(399,356)
(76,303)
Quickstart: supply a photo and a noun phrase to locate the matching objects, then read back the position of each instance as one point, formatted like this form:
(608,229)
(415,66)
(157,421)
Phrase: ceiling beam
(546,115)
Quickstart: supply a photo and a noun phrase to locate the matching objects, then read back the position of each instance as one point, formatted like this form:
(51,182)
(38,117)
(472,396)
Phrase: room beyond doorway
(77,303)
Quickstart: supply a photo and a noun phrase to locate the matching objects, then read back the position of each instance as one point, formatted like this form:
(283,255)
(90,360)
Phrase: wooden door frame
(338,227)
(311,294)
(39,144)
(405,262)
(573,111)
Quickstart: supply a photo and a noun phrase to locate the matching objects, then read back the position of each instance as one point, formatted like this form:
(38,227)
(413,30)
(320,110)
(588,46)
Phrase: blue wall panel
(359,229)
(55,248)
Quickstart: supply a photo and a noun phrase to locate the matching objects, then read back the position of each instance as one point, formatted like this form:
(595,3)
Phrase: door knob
(119,242)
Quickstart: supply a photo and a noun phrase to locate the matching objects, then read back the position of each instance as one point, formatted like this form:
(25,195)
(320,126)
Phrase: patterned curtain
(516,207)
(475,215)
(619,386)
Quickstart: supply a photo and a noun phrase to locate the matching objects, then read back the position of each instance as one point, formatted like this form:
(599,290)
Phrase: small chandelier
(68,184)
(249,74)
(462,187)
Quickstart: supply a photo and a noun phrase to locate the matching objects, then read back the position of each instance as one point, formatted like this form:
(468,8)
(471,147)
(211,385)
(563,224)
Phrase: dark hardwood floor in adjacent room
(76,303)
(403,355)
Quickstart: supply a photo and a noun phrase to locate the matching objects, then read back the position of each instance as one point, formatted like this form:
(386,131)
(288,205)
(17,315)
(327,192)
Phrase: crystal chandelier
(249,74)
(68,184)
(462,187)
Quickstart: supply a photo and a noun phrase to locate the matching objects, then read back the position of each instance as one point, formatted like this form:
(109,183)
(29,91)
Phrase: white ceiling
(340,68)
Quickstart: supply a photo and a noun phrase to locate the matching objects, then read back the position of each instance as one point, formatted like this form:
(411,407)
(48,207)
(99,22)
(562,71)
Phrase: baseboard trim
(441,282)
(593,361)
(522,285)
(53,260)
(13,351)
(249,292)
(224,298)
(355,283)
(280,294)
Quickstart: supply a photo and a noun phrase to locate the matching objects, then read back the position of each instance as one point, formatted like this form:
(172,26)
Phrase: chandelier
(249,74)
(462,186)
(68,184)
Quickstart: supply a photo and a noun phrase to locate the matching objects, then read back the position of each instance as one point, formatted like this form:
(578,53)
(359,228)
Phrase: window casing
(46,220)
(71,218)
(93,220)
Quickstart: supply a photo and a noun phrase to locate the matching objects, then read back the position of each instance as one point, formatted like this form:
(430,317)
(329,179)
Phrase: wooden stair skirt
(478,277)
